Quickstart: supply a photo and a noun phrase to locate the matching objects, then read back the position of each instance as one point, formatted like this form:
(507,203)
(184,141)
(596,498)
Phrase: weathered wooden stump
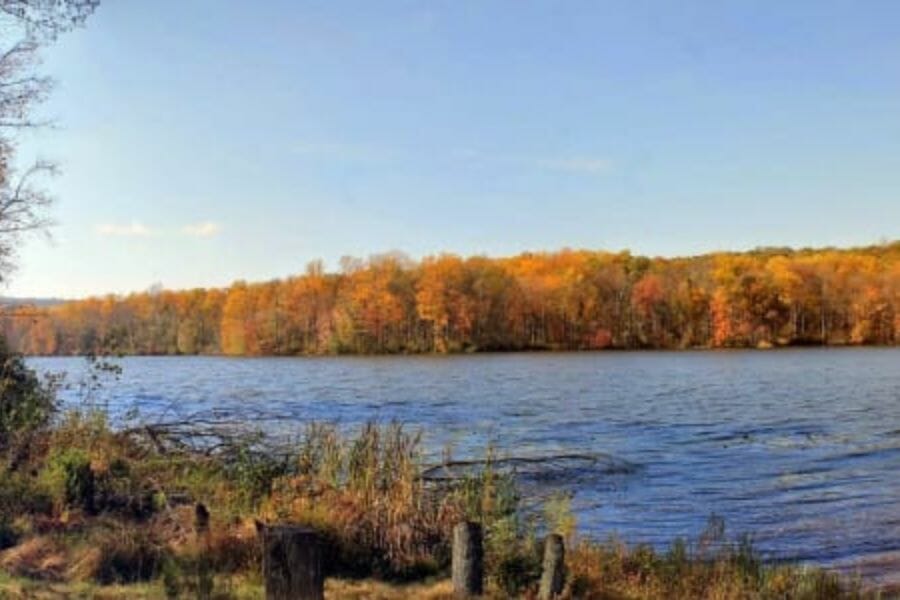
(204,572)
(292,563)
(468,560)
(553,575)
(201,518)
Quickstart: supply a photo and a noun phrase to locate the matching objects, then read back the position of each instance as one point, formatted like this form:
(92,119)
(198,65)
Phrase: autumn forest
(567,300)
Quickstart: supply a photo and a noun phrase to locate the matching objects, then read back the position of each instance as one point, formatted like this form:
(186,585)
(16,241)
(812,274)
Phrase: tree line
(566,300)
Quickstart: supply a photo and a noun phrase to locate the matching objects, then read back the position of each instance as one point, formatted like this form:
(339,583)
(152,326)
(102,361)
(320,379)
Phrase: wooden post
(553,575)
(292,563)
(468,560)
(205,582)
(201,519)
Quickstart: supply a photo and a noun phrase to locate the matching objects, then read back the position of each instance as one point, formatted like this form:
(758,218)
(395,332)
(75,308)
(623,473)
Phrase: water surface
(800,448)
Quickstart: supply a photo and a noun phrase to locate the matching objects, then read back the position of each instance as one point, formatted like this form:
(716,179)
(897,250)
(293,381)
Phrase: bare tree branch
(33,23)
(45,20)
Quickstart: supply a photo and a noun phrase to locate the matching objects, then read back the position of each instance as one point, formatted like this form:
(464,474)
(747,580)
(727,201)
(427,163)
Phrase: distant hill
(42,302)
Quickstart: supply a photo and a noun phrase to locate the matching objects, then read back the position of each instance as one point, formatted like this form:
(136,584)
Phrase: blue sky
(205,141)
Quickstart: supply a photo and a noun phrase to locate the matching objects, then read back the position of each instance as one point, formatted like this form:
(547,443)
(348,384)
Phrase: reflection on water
(801,448)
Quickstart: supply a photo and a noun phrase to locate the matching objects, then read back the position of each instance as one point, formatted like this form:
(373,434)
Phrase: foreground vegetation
(90,511)
(565,300)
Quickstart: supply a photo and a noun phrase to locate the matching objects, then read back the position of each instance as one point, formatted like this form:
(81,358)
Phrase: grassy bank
(14,588)
(86,510)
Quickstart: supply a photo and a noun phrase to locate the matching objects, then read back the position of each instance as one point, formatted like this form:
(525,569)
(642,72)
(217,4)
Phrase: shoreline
(535,351)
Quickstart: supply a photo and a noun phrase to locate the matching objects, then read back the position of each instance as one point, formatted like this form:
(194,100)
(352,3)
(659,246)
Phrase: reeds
(365,490)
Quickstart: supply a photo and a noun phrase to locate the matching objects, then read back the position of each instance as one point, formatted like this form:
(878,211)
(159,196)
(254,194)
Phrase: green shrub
(69,478)
(513,556)
(253,473)
(171,576)
(20,494)
(26,404)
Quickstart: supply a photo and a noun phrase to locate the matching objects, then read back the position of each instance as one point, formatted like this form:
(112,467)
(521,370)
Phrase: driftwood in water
(565,468)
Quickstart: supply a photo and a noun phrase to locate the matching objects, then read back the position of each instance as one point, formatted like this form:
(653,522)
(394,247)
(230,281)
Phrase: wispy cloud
(133,229)
(576,164)
(205,229)
(136,229)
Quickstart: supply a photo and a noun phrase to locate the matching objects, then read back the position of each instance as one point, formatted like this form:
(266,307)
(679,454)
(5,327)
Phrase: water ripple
(799,448)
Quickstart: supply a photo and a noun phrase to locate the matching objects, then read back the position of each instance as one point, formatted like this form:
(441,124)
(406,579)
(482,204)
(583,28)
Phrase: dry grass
(229,546)
(42,558)
(335,589)
(26,589)
(377,590)
(613,571)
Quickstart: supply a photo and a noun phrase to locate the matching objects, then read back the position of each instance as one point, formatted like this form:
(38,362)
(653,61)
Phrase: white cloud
(136,229)
(576,165)
(205,229)
(133,229)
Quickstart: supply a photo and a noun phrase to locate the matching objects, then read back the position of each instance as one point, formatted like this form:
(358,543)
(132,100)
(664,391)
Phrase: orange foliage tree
(572,299)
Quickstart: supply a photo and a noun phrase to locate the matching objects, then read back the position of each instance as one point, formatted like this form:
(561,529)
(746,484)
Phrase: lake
(799,448)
